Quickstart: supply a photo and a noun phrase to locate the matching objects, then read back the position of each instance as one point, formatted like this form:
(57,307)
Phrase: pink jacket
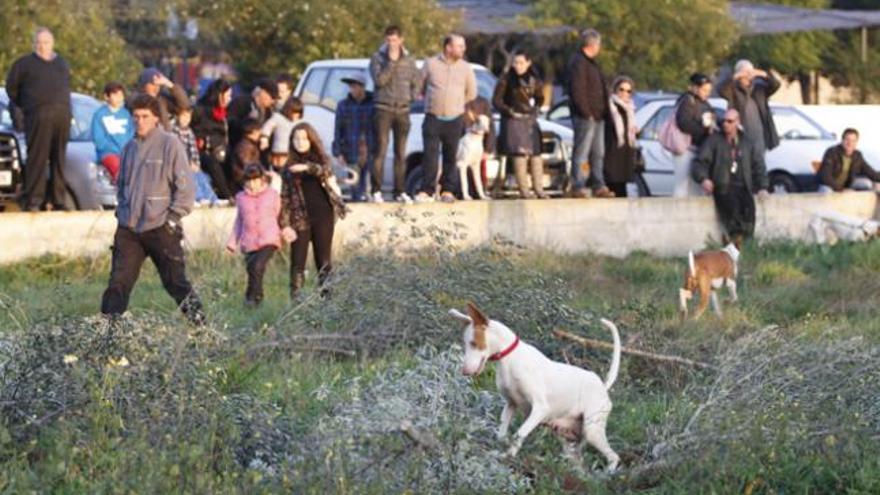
(256,222)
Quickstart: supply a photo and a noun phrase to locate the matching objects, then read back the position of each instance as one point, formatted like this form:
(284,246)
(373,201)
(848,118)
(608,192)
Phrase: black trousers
(164,247)
(320,236)
(398,124)
(736,210)
(47,130)
(618,188)
(256,262)
(436,132)
(215,170)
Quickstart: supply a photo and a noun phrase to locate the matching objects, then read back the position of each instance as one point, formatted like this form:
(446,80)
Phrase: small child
(256,229)
(278,129)
(112,128)
(205,194)
(246,152)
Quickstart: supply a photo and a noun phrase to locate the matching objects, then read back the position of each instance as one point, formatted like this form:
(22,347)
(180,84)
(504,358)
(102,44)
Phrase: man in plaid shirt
(354,140)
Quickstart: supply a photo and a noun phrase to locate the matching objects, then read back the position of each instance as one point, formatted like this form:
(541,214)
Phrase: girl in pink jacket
(256,229)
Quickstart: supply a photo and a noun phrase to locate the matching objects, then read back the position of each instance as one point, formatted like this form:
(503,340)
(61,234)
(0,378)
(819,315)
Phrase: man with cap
(731,168)
(257,106)
(155,189)
(354,137)
(38,85)
(749,91)
(696,118)
(171,96)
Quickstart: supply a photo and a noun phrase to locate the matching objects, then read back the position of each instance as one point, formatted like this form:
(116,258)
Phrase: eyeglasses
(625,90)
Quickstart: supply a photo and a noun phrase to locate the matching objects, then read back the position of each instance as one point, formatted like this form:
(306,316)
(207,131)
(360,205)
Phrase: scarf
(219,113)
(628,137)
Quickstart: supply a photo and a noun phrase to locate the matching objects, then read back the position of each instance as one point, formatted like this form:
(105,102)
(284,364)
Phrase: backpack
(673,139)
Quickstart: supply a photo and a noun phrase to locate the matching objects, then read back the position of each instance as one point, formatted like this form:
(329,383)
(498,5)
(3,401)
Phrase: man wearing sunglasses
(731,168)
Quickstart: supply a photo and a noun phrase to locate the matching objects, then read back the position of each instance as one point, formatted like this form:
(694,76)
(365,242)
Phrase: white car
(320,88)
(791,166)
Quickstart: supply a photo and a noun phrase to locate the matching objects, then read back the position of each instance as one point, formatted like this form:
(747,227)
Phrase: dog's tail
(692,265)
(615,356)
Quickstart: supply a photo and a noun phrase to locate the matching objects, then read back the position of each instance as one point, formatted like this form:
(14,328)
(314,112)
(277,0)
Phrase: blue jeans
(589,146)
(204,191)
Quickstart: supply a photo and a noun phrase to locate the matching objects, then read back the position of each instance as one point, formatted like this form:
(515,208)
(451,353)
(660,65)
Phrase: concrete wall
(663,226)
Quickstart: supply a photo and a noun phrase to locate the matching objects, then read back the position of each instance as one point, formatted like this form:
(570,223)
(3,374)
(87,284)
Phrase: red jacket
(256,222)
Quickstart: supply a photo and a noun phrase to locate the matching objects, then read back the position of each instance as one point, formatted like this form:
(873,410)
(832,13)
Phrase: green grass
(106,444)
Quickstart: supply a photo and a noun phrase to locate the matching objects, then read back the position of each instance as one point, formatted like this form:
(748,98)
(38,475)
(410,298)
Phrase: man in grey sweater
(155,190)
(398,82)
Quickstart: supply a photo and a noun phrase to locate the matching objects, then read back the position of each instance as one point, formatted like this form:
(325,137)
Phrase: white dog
(470,155)
(572,401)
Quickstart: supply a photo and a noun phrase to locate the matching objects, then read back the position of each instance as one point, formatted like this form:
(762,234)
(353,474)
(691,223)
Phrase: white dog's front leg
(535,418)
(506,417)
(463,177)
(715,306)
(731,287)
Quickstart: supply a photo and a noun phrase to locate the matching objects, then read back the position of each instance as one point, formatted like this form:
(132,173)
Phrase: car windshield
(791,124)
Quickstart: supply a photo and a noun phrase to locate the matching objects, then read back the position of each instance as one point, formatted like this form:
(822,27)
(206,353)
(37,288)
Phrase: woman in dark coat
(518,97)
(212,133)
(620,137)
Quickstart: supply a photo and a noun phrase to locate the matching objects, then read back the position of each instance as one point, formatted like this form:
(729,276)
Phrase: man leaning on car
(844,167)
(39,85)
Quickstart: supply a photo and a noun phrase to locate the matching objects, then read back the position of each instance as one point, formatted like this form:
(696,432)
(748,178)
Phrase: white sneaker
(404,198)
(377,197)
(423,197)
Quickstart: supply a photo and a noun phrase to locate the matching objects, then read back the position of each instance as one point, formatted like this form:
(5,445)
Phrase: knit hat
(699,79)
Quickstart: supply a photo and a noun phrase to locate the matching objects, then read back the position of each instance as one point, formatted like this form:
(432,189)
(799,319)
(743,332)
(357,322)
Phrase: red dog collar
(500,355)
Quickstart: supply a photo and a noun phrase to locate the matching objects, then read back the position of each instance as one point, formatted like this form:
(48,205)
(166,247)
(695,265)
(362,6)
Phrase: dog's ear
(458,315)
(477,316)
(724,240)
(738,242)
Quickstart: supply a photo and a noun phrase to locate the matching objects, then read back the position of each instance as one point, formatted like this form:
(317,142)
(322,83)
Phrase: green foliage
(274,36)
(84,36)
(657,43)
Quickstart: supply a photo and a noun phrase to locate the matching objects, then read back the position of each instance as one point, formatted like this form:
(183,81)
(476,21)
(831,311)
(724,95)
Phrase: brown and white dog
(572,401)
(706,273)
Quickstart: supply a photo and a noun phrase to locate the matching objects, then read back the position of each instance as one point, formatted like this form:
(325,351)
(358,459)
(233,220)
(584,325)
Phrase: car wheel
(414,180)
(782,183)
(644,190)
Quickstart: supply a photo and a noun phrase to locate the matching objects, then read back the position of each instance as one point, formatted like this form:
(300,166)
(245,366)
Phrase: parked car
(88,181)
(791,166)
(321,87)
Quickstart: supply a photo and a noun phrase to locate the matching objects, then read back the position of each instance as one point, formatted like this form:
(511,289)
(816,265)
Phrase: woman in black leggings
(310,205)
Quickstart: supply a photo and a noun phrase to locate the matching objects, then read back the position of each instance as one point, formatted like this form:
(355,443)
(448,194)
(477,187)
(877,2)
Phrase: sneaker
(447,197)
(377,197)
(423,197)
(404,198)
(579,193)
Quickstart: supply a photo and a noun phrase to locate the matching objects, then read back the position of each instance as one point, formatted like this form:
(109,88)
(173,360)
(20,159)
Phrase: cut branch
(592,343)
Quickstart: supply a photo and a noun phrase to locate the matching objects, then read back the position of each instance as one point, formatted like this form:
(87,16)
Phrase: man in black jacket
(257,106)
(731,168)
(39,85)
(588,104)
(844,167)
(749,91)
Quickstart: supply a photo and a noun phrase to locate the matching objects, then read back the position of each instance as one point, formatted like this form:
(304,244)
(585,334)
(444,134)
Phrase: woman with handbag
(621,148)
(695,118)
(212,134)
(518,97)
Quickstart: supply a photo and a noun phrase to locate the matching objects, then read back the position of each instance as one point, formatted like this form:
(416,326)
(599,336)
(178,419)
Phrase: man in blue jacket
(112,128)
(155,190)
